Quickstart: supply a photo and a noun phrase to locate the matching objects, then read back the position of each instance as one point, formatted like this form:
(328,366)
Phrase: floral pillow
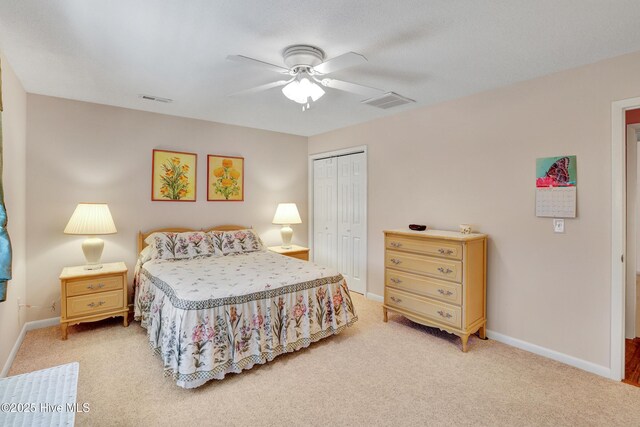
(216,238)
(234,242)
(179,245)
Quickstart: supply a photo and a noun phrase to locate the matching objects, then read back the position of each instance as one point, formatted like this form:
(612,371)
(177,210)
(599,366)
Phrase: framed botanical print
(173,176)
(225,178)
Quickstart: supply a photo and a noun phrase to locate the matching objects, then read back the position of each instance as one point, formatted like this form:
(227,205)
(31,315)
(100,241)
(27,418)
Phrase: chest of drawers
(437,278)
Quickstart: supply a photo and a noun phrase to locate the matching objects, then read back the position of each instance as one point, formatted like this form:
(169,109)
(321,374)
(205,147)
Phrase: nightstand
(90,295)
(294,251)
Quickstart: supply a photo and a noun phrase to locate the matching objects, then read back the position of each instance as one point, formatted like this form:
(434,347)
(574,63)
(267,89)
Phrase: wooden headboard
(142,236)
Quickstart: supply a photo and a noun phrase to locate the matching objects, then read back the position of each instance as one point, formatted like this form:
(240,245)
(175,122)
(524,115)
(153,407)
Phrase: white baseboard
(28,326)
(374,297)
(603,371)
(44,323)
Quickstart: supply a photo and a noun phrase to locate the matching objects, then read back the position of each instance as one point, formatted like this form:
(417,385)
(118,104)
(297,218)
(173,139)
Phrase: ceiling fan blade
(261,88)
(346,60)
(352,87)
(257,62)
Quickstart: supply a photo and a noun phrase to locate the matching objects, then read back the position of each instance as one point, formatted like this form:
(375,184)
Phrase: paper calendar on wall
(556,187)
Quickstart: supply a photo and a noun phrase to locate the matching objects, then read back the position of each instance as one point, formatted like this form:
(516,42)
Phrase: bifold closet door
(325,211)
(351,211)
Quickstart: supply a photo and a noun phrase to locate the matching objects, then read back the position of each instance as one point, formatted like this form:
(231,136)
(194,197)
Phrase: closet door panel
(351,179)
(325,212)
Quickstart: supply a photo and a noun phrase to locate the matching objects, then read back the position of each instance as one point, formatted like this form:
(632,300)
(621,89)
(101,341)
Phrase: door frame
(336,153)
(618,232)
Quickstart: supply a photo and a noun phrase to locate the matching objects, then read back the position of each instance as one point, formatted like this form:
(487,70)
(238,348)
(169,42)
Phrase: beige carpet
(397,373)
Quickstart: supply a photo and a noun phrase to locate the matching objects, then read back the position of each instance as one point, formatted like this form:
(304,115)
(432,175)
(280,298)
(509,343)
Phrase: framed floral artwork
(225,178)
(173,176)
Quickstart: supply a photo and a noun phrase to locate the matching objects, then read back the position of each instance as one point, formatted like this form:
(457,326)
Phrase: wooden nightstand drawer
(89,286)
(94,303)
(295,251)
(438,311)
(301,255)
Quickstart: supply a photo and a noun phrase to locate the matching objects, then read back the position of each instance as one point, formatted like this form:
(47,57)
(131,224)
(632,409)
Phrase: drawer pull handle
(445,270)
(445,251)
(98,286)
(396,281)
(445,314)
(445,292)
(93,304)
(395,261)
(395,299)
(395,244)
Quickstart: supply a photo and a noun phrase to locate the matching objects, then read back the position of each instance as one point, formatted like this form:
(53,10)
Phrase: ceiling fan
(305,73)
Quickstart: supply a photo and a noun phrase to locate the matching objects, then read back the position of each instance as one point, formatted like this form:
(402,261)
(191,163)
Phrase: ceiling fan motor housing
(302,56)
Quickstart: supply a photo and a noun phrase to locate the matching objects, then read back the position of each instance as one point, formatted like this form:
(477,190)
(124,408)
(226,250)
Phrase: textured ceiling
(109,52)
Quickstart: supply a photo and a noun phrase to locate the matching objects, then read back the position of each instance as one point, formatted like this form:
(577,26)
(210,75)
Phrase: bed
(208,315)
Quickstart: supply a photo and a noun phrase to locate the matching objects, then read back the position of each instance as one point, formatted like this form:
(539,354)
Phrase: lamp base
(287,233)
(92,248)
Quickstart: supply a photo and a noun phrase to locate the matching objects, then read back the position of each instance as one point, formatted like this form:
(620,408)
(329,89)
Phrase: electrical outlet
(53,306)
(558,225)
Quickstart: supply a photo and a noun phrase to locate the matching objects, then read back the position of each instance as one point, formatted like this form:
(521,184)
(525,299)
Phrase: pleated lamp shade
(287,213)
(91,219)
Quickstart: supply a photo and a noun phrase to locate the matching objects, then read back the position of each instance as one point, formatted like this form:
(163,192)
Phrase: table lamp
(91,219)
(286,214)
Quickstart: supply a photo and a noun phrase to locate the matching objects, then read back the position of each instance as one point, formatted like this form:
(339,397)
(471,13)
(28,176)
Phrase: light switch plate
(558,225)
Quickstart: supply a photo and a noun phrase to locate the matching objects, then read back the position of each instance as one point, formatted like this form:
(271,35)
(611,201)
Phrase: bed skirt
(203,340)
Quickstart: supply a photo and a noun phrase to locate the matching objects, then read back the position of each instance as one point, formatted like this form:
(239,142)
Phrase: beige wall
(473,161)
(14,120)
(78,151)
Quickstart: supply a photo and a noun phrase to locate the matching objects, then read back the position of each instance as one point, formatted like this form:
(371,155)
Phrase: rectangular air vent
(156,98)
(388,100)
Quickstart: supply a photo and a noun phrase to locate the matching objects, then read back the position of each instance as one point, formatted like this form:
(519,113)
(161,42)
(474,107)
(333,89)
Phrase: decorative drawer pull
(445,314)
(396,281)
(445,251)
(395,261)
(93,304)
(395,299)
(445,293)
(98,286)
(445,270)
(395,244)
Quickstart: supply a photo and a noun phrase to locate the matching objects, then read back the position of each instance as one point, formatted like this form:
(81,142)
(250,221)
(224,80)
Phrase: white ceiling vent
(388,100)
(156,98)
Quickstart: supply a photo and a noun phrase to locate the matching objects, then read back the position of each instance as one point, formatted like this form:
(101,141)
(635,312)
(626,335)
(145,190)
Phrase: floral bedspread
(209,316)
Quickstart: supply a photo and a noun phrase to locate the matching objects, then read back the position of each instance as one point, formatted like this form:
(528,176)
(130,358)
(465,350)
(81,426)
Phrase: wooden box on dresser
(90,295)
(437,278)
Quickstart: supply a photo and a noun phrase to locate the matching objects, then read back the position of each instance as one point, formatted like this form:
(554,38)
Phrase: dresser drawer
(87,305)
(432,288)
(438,311)
(88,286)
(435,267)
(439,248)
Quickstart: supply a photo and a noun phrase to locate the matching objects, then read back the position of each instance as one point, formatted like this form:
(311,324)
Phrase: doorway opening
(631,294)
(619,240)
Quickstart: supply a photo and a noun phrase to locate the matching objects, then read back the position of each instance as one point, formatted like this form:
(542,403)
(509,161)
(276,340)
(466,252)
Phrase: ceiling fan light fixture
(300,90)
